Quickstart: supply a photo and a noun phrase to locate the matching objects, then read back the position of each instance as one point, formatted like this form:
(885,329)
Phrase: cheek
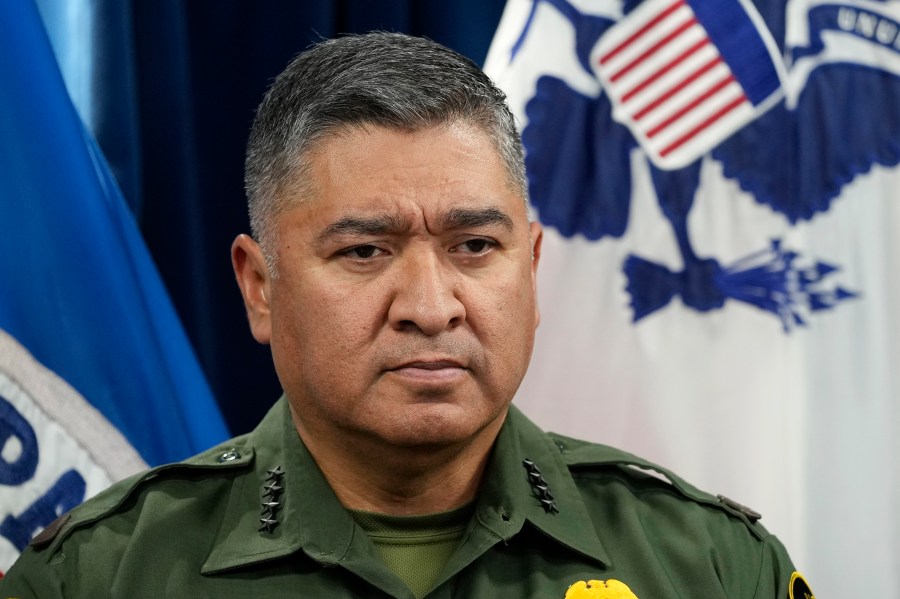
(321,333)
(504,317)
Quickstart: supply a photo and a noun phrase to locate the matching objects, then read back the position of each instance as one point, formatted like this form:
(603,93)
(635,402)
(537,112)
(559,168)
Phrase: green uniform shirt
(256,518)
(416,548)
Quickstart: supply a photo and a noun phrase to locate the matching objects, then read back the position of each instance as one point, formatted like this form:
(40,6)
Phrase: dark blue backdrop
(176,85)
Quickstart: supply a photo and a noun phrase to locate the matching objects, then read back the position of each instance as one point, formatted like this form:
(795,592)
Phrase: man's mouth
(431,371)
(432,365)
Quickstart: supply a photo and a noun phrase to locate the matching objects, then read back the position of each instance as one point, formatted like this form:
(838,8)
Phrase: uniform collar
(511,495)
(310,517)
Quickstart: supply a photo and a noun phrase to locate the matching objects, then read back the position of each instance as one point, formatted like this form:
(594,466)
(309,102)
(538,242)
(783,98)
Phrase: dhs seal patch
(799,588)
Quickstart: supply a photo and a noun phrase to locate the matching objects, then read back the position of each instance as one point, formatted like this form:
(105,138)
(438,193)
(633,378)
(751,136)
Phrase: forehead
(427,170)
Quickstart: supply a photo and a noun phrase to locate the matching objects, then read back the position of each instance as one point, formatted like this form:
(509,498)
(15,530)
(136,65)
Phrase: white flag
(732,314)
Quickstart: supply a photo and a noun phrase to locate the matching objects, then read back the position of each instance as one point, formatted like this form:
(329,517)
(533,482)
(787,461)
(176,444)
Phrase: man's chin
(432,424)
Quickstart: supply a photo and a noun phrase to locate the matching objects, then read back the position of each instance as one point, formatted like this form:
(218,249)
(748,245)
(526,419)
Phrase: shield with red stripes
(683,75)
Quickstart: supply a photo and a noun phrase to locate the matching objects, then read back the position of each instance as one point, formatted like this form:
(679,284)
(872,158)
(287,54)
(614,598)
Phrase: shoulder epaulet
(235,453)
(577,454)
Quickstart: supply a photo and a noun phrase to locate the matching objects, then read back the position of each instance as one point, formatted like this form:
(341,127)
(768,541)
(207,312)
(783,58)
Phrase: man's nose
(426,295)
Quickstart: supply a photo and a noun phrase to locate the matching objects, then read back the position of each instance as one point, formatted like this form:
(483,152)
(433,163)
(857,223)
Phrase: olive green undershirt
(416,548)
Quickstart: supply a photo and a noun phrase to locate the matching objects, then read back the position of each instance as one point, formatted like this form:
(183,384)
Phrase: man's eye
(474,246)
(362,252)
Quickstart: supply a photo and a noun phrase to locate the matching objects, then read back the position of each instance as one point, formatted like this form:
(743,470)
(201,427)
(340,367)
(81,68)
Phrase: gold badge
(600,589)
(799,588)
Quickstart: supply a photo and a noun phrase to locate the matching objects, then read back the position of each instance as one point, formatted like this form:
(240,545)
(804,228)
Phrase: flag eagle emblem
(683,83)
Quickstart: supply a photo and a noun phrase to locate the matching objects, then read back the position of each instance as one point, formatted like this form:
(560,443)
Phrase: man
(392,272)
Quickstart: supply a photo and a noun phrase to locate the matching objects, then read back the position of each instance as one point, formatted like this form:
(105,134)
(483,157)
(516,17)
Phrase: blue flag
(97,378)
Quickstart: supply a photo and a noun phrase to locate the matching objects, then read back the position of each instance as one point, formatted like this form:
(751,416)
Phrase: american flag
(683,75)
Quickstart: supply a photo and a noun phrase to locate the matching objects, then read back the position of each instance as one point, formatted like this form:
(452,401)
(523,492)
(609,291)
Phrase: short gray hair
(386,79)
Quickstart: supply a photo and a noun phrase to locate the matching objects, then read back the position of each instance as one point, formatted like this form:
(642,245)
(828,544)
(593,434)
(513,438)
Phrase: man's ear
(536,234)
(252,274)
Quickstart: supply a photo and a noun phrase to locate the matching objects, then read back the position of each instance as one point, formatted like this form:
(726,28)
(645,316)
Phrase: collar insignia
(270,504)
(540,487)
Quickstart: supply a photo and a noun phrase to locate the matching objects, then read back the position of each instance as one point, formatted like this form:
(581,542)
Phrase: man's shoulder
(640,518)
(153,495)
(135,517)
(639,482)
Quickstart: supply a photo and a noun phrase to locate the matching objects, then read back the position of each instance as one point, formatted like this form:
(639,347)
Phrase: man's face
(403,310)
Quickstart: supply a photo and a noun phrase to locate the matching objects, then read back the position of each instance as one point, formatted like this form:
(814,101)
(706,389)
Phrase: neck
(370,475)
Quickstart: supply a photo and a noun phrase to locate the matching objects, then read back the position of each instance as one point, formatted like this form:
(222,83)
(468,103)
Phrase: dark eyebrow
(470,218)
(360,226)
